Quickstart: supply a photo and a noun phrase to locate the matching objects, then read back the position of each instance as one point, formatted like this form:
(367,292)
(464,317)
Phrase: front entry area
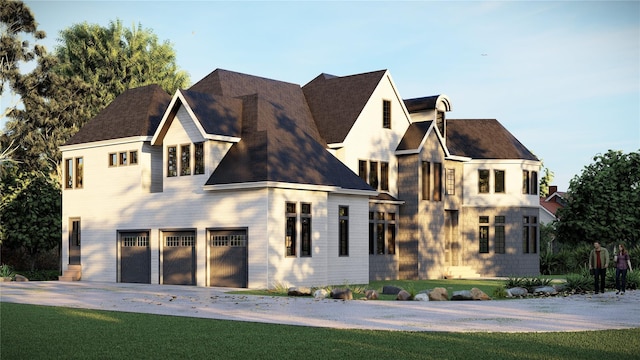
(228,258)
(135,257)
(179,257)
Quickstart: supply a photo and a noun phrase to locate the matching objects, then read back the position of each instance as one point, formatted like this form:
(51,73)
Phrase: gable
(336,102)
(135,112)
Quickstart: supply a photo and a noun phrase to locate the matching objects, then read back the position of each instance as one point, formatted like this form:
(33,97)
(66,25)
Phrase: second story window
(172,161)
(373,174)
(483,181)
(426,180)
(386,114)
(185,160)
(384,175)
(451,182)
(199,159)
(499,181)
(74,173)
(437,181)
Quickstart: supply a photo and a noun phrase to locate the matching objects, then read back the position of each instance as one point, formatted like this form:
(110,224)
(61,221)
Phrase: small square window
(133,157)
(113,159)
(122,158)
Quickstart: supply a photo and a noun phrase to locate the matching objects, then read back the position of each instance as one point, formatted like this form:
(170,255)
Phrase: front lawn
(42,332)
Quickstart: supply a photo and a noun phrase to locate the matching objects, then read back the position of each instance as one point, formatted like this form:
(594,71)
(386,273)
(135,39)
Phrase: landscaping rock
(517,291)
(438,294)
(545,290)
(403,295)
(371,295)
(477,294)
(390,290)
(461,295)
(342,294)
(20,278)
(320,294)
(302,291)
(421,297)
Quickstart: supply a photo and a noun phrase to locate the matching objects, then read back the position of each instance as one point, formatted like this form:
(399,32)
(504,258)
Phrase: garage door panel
(228,258)
(178,258)
(135,258)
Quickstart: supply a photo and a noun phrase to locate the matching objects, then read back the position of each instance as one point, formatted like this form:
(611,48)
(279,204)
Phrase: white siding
(512,196)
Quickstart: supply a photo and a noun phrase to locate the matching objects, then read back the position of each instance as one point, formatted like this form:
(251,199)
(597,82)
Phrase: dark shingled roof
(336,102)
(218,115)
(414,135)
(279,140)
(484,139)
(420,104)
(136,112)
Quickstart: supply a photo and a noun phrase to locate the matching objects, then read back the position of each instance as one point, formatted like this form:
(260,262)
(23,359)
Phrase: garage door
(135,257)
(228,258)
(179,258)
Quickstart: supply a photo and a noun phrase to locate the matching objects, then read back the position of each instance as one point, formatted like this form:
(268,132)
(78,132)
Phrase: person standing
(598,263)
(623,263)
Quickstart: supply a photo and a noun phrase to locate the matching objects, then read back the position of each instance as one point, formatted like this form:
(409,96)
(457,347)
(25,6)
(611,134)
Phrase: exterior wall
(514,262)
(408,232)
(368,140)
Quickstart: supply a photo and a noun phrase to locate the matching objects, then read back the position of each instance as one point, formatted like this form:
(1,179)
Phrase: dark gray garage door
(228,258)
(179,258)
(135,257)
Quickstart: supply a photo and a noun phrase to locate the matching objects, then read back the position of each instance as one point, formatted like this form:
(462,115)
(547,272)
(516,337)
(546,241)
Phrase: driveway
(572,313)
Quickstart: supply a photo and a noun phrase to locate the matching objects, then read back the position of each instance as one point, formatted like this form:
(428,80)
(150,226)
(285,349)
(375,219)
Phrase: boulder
(421,297)
(438,294)
(477,294)
(461,295)
(20,278)
(342,294)
(403,295)
(302,291)
(516,292)
(320,294)
(545,290)
(390,290)
(371,295)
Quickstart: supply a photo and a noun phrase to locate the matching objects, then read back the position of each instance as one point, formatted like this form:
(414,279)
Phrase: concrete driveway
(573,313)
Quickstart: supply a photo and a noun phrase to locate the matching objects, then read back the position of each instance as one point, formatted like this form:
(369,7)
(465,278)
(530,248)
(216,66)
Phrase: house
(244,181)
(549,205)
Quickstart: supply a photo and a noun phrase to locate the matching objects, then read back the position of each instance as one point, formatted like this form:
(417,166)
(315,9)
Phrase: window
(484,239)
(362,170)
(391,230)
(440,122)
(426,180)
(530,182)
(122,159)
(372,233)
(133,157)
(305,218)
(343,241)
(290,234)
(185,160)
(373,174)
(79,172)
(68,170)
(382,233)
(483,181)
(437,181)
(451,182)
(498,177)
(384,175)
(113,159)
(499,242)
(73,169)
(386,114)
(534,183)
(199,158)
(172,161)
(525,182)
(529,234)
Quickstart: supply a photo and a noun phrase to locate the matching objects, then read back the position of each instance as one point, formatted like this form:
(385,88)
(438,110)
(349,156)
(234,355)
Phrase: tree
(113,59)
(31,210)
(545,181)
(603,202)
(16,21)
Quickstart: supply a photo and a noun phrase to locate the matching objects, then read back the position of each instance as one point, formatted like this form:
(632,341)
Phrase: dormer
(430,108)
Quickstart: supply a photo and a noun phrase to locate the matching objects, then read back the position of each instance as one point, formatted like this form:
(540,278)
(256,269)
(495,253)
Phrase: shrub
(7,271)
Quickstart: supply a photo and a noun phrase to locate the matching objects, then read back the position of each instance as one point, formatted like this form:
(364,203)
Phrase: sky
(563,77)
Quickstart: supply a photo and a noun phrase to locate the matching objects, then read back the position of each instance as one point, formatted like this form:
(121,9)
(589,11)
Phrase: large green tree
(603,202)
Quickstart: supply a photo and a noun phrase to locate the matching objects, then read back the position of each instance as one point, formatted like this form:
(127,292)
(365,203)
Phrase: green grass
(41,332)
